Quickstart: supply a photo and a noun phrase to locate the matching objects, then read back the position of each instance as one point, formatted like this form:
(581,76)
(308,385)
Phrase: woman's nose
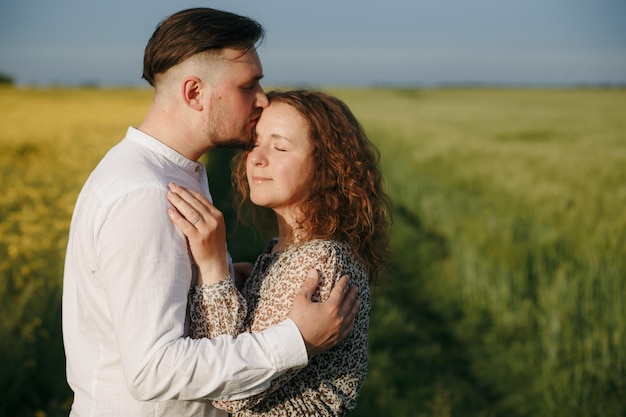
(256,157)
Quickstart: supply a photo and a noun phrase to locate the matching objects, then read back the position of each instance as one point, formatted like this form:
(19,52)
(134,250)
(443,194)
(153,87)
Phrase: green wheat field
(507,293)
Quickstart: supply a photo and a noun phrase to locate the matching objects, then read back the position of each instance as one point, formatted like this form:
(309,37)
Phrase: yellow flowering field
(49,142)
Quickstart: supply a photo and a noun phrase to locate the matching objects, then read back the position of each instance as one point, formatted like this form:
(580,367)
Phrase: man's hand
(323,325)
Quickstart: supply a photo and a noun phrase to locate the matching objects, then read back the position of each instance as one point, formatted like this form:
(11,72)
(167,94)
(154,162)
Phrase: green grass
(527,189)
(507,293)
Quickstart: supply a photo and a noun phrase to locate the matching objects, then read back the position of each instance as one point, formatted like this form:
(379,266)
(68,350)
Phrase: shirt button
(197,168)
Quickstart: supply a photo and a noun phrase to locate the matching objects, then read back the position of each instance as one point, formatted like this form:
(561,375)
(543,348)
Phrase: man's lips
(255,117)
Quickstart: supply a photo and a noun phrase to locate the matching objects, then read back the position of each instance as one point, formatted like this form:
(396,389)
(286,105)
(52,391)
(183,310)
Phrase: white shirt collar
(137,136)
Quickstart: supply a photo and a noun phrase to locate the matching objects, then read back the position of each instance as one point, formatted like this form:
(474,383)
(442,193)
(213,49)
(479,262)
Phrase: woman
(313,174)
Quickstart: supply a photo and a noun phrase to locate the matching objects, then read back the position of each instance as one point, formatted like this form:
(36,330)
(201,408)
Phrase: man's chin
(234,144)
(243,142)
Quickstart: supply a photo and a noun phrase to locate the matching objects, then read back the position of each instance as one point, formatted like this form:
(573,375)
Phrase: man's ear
(192,92)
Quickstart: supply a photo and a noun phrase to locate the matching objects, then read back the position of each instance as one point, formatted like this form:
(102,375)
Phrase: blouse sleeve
(216,309)
(330,383)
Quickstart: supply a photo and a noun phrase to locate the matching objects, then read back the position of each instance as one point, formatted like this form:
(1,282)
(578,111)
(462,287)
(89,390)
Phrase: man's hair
(346,197)
(193,31)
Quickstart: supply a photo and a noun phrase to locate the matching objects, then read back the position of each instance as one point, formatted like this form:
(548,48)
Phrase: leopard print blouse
(329,385)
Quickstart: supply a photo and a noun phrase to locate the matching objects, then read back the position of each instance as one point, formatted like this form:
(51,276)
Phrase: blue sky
(334,42)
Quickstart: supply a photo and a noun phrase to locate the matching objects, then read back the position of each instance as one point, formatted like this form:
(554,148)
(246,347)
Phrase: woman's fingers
(179,221)
(186,209)
(192,213)
(190,196)
(203,225)
(193,207)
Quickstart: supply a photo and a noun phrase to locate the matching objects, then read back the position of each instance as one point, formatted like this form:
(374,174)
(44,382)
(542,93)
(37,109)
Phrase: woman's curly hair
(346,200)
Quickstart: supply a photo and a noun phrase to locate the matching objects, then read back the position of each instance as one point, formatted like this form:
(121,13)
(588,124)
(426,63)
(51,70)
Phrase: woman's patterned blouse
(329,385)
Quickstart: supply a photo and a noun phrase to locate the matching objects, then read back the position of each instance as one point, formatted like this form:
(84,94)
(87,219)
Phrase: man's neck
(168,130)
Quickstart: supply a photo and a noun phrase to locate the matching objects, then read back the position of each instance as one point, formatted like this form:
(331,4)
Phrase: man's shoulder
(130,160)
(125,167)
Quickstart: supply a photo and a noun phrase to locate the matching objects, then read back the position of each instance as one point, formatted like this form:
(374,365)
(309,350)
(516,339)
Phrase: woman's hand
(203,224)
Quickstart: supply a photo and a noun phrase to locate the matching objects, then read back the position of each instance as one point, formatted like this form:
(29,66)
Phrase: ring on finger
(197,220)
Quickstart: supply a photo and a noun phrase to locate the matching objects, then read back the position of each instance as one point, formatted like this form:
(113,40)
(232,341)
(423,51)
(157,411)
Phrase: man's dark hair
(192,31)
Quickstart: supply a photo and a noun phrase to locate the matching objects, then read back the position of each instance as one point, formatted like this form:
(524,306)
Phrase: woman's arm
(216,309)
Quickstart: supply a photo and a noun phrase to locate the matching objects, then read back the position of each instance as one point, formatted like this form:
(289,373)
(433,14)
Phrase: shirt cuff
(287,345)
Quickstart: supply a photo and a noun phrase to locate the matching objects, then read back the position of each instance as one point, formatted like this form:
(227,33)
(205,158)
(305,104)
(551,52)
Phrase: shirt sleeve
(216,309)
(145,275)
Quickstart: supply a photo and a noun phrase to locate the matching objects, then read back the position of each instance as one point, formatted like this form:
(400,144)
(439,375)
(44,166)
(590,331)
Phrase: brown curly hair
(346,200)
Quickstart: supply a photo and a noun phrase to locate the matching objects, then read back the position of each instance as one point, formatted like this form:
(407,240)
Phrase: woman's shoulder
(324,245)
(321,249)
(330,252)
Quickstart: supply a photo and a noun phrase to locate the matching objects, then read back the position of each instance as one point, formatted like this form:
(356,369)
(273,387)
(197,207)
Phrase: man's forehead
(242,64)
(248,56)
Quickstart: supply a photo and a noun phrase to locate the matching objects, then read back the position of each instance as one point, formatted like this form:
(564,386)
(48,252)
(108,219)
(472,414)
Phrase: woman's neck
(290,232)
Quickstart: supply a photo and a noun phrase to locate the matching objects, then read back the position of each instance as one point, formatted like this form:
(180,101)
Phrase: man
(128,270)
